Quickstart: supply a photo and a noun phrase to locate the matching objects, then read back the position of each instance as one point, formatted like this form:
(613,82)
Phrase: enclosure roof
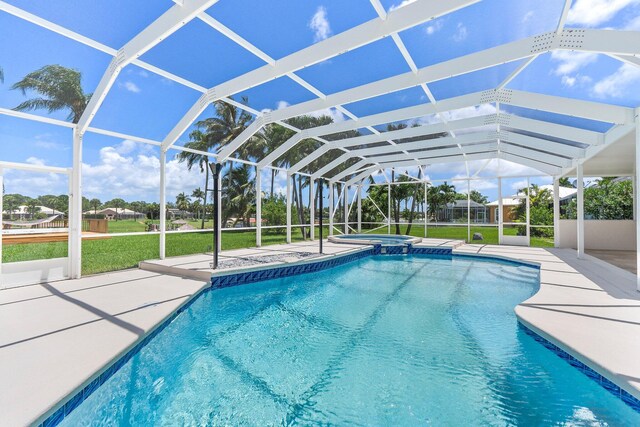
(539,84)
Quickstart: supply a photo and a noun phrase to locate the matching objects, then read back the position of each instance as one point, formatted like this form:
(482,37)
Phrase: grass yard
(120,252)
(139,226)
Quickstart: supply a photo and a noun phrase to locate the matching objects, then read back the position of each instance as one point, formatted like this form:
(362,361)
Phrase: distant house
(21,213)
(174,213)
(510,203)
(111,213)
(457,211)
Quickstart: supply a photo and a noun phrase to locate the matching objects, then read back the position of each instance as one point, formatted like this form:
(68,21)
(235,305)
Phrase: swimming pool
(384,239)
(393,340)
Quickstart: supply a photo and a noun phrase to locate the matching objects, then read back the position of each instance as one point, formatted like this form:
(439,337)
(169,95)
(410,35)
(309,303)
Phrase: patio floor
(55,336)
(622,259)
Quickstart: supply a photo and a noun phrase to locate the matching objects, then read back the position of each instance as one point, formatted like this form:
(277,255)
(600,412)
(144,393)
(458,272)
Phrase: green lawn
(120,252)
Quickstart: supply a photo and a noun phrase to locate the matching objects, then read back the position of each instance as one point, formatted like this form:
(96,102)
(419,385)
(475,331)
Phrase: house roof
(22,209)
(565,193)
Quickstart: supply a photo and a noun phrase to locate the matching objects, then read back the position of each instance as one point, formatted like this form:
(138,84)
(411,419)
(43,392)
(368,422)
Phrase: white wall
(600,234)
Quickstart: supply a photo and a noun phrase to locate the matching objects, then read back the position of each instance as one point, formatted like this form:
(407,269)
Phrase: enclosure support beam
(312,209)
(1,210)
(636,198)
(163,202)
(289,177)
(499,215)
(320,209)
(580,200)
(556,212)
(258,207)
(75,213)
(425,209)
(468,211)
(360,208)
(345,189)
(389,208)
(331,208)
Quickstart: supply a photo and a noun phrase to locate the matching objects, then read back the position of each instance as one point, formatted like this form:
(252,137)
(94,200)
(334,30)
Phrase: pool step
(520,273)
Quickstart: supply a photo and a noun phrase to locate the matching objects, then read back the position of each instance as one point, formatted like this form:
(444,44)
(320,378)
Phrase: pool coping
(372,241)
(252,274)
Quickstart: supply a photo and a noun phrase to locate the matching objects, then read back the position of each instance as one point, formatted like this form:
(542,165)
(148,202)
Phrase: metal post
(580,201)
(468,211)
(163,203)
(331,208)
(360,207)
(556,212)
(75,213)
(320,209)
(312,209)
(258,207)
(215,170)
(288,208)
(499,216)
(388,208)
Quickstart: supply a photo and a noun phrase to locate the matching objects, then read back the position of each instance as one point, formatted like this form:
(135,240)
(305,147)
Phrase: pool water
(393,340)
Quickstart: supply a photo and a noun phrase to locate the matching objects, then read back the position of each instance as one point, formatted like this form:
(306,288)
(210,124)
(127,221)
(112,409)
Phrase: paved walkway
(587,307)
(54,337)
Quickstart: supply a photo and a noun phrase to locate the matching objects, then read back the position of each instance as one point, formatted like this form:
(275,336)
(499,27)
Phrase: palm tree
(271,137)
(60,89)
(118,203)
(32,208)
(1,75)
(182,202)
(198,194)
(95,204)
(241,193)
(199,141)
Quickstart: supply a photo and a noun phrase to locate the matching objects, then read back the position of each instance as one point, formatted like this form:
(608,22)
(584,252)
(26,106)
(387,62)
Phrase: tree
(540,211)
(565,182)
(32,208)
(201,142)
(1,75)
(478,197)
(183,201)
(439,196)
(59,88)
(608,199)
(240,193)
(272,136)
(274,211)
(10,204)
(95,204)
(117,204)
(198,194)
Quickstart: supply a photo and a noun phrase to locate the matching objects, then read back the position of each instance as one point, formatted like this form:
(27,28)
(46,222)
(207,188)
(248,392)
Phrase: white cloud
(401,4)
(282,104)
(570,62)
(130,86)
(143,73)
(336,115)
(130,173)
(591,13)
(46,142)
(461,33)
(35,161)
(434,27)
(320,24)
(617,84)
(633,25)
(527,17)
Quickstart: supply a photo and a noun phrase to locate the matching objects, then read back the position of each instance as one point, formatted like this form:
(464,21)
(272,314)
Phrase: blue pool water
(389,340)
(385,239)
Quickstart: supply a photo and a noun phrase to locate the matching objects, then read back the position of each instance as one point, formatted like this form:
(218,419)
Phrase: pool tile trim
(607,384)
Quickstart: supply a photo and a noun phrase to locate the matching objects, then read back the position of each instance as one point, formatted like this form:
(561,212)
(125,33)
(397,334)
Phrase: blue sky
(146,105)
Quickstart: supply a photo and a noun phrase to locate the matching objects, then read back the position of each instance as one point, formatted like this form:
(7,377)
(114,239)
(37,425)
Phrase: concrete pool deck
(54,337)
